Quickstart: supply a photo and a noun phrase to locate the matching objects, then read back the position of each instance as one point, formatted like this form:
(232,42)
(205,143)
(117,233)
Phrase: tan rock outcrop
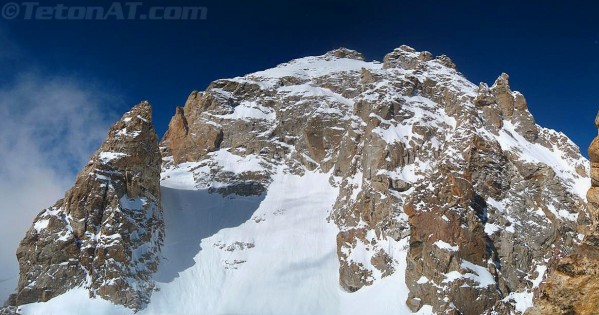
(406,57)
(189,143)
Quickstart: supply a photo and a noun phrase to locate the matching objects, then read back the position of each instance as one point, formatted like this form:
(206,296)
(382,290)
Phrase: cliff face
(486,199)
(105,235)
(572,286)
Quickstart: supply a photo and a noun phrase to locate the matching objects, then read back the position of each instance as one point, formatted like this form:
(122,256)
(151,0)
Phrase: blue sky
(549,48)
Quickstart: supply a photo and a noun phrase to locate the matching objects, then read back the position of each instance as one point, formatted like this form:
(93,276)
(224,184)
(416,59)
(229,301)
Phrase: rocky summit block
(105,234)
(484,198)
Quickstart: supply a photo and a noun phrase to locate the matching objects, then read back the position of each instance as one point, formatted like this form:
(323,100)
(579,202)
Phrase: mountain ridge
(450,185)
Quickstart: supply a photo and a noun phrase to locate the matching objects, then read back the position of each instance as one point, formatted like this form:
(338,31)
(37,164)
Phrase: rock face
(572,286)
(106,234)
(485,199)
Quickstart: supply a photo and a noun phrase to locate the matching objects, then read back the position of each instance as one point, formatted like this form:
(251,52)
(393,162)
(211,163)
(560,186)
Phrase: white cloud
(49,127)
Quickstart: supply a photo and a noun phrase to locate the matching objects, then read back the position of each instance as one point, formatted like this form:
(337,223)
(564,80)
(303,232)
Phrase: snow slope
(270,254)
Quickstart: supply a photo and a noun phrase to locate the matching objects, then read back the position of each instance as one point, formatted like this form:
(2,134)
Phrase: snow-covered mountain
(325,185)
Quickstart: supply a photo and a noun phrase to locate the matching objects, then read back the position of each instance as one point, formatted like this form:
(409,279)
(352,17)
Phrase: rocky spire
(499,103)
(106,234)
(184,145)
(503,94)
(593,193)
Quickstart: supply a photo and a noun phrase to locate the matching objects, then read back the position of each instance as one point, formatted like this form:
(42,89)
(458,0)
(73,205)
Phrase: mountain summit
(325,185)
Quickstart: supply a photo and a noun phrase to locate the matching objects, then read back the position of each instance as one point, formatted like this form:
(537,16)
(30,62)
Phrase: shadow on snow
(192,215)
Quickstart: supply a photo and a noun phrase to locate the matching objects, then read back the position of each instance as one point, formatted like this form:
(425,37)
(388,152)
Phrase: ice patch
(478,274)
(491,228)
(106,157)
(446,246)
(40,225)
(250,111)
(229,162)
(133,203)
